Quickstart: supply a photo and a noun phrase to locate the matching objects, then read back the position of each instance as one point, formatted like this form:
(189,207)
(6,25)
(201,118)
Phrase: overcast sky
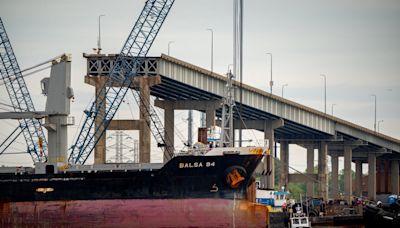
(355,43)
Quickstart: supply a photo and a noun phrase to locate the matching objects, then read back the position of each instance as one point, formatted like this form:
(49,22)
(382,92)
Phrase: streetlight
(375,112)
(271,83)
(283,86)
(332,108)
(323,75)
(379,121)
(212,48)
(99,38)
(169,45)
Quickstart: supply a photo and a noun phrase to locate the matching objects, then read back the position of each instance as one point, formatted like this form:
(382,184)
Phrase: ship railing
(115,167)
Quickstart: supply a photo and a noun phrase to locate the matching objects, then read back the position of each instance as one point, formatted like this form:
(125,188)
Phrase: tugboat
(298,218)
(277,200)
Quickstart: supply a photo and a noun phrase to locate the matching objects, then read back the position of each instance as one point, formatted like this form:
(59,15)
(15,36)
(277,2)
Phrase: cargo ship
(210,190)
(203,187)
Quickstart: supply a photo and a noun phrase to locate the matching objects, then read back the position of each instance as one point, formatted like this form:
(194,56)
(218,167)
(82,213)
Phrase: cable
(23,144)
(12,153)
(12,78)
(80,120)
(8,105)
(245,126)
(7,110)
(9,124)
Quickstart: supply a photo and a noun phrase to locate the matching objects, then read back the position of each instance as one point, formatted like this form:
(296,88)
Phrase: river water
(354,226)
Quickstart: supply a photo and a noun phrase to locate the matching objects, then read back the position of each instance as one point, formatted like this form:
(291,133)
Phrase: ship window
(49,169)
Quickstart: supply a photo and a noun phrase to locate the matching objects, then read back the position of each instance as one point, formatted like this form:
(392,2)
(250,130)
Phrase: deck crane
(123,71)
(20,99)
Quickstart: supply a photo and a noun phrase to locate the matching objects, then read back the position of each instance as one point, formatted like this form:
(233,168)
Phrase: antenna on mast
(98,49)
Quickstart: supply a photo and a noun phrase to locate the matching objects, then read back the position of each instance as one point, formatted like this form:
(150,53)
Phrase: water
(353,226)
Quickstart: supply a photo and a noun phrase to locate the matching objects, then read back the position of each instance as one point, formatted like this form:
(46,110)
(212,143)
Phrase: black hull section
(381,217)
(182,177)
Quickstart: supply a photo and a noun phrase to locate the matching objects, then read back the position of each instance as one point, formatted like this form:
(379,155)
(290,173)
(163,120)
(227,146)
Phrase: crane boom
(21,99)
(136,46)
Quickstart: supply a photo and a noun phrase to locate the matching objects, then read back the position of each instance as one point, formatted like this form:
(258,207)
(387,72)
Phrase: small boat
(277,200)
(298,218)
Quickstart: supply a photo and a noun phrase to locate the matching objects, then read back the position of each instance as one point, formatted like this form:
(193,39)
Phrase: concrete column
(284,177)
(322,171)
(169,124)
(268,180)
(347,173)
(335,175)
(144,133)
(359,178)
(210,118)
(310,170)
(372,176)
(267,166)
(395,177)
(380,176)
(100,148)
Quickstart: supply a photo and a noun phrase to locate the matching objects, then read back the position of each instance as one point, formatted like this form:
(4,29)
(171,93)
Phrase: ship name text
(189,165)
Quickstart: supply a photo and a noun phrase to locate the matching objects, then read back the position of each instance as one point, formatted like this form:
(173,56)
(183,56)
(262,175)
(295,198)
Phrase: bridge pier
(310,169)
(100,148)
(394,177)
(358,180)
(381,175)
(284,177)
(335,175)
(145,83)
(169,123)
(322,170)
(348,191)
(268,179)
(372,176)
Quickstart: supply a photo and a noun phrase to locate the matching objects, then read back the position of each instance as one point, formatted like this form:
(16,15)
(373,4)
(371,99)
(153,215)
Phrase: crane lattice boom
(136,46)
(21,99)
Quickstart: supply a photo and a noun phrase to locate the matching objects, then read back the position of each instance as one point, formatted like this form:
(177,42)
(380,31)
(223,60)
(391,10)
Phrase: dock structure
(179,85)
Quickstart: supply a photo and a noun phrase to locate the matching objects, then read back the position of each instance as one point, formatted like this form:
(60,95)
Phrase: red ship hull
(134,213)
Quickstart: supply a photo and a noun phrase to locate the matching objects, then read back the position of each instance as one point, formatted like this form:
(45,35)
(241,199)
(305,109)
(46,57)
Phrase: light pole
(271,83)
(375,111)
(332,108)
(379,123)
(212,48)
(169,45)
(99,38)
(323,75)
(283,86)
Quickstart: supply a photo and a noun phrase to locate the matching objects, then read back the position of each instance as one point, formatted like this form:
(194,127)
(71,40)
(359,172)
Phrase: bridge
(179,85)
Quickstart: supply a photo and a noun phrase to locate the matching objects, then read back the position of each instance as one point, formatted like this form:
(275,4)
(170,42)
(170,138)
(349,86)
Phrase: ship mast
(227,138)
